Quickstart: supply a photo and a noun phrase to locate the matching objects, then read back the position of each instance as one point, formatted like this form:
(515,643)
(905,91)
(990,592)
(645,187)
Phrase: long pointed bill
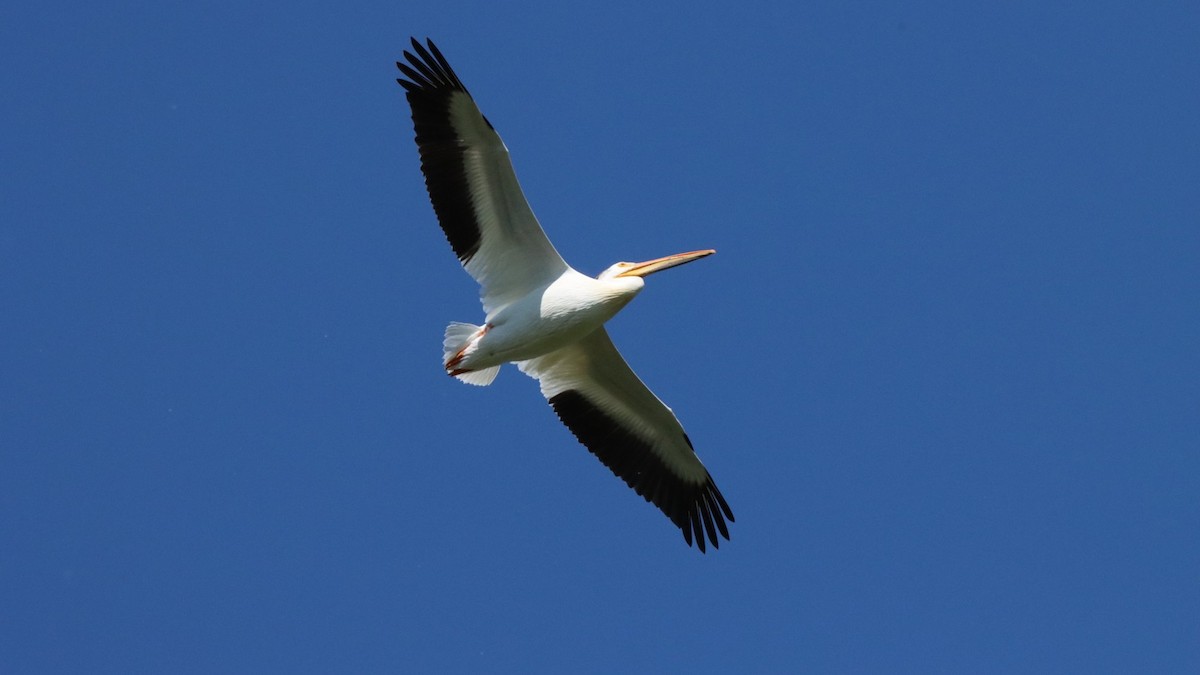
(659,264)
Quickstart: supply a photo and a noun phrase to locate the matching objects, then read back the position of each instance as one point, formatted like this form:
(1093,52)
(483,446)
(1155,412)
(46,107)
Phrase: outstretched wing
(472,185)
(601,400)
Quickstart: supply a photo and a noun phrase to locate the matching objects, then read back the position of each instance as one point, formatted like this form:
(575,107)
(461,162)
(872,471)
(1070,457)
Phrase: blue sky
(944,365)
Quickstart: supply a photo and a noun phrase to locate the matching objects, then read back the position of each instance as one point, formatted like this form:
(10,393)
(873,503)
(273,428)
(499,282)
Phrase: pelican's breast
(556,315)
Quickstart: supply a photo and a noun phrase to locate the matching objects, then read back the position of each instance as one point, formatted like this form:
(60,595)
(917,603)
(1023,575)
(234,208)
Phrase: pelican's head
(642,269)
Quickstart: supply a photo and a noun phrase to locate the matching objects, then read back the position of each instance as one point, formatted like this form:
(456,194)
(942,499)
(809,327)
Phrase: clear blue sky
(945,365)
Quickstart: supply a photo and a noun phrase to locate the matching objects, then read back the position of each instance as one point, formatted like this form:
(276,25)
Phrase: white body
(547,319)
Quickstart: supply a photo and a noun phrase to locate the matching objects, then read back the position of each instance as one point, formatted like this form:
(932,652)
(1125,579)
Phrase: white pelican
(542,314)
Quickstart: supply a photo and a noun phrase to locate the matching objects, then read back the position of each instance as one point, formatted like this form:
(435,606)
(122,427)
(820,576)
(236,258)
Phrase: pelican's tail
(461,340)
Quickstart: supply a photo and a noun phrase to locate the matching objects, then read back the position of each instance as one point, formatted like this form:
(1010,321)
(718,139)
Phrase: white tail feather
(479,378)
(459,338)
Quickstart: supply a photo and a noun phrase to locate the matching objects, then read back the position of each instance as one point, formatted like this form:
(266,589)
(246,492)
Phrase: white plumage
(543,315)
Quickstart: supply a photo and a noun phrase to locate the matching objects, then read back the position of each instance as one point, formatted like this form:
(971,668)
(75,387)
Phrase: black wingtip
(427,70)
(696,528)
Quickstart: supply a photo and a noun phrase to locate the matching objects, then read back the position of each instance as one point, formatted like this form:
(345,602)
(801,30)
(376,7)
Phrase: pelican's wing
(472,185)
(632,432)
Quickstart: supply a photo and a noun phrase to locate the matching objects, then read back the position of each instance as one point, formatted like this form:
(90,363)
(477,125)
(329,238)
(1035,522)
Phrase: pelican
(543,315)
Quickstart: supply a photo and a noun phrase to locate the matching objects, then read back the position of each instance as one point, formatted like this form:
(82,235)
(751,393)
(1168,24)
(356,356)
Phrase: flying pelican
(544,316)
